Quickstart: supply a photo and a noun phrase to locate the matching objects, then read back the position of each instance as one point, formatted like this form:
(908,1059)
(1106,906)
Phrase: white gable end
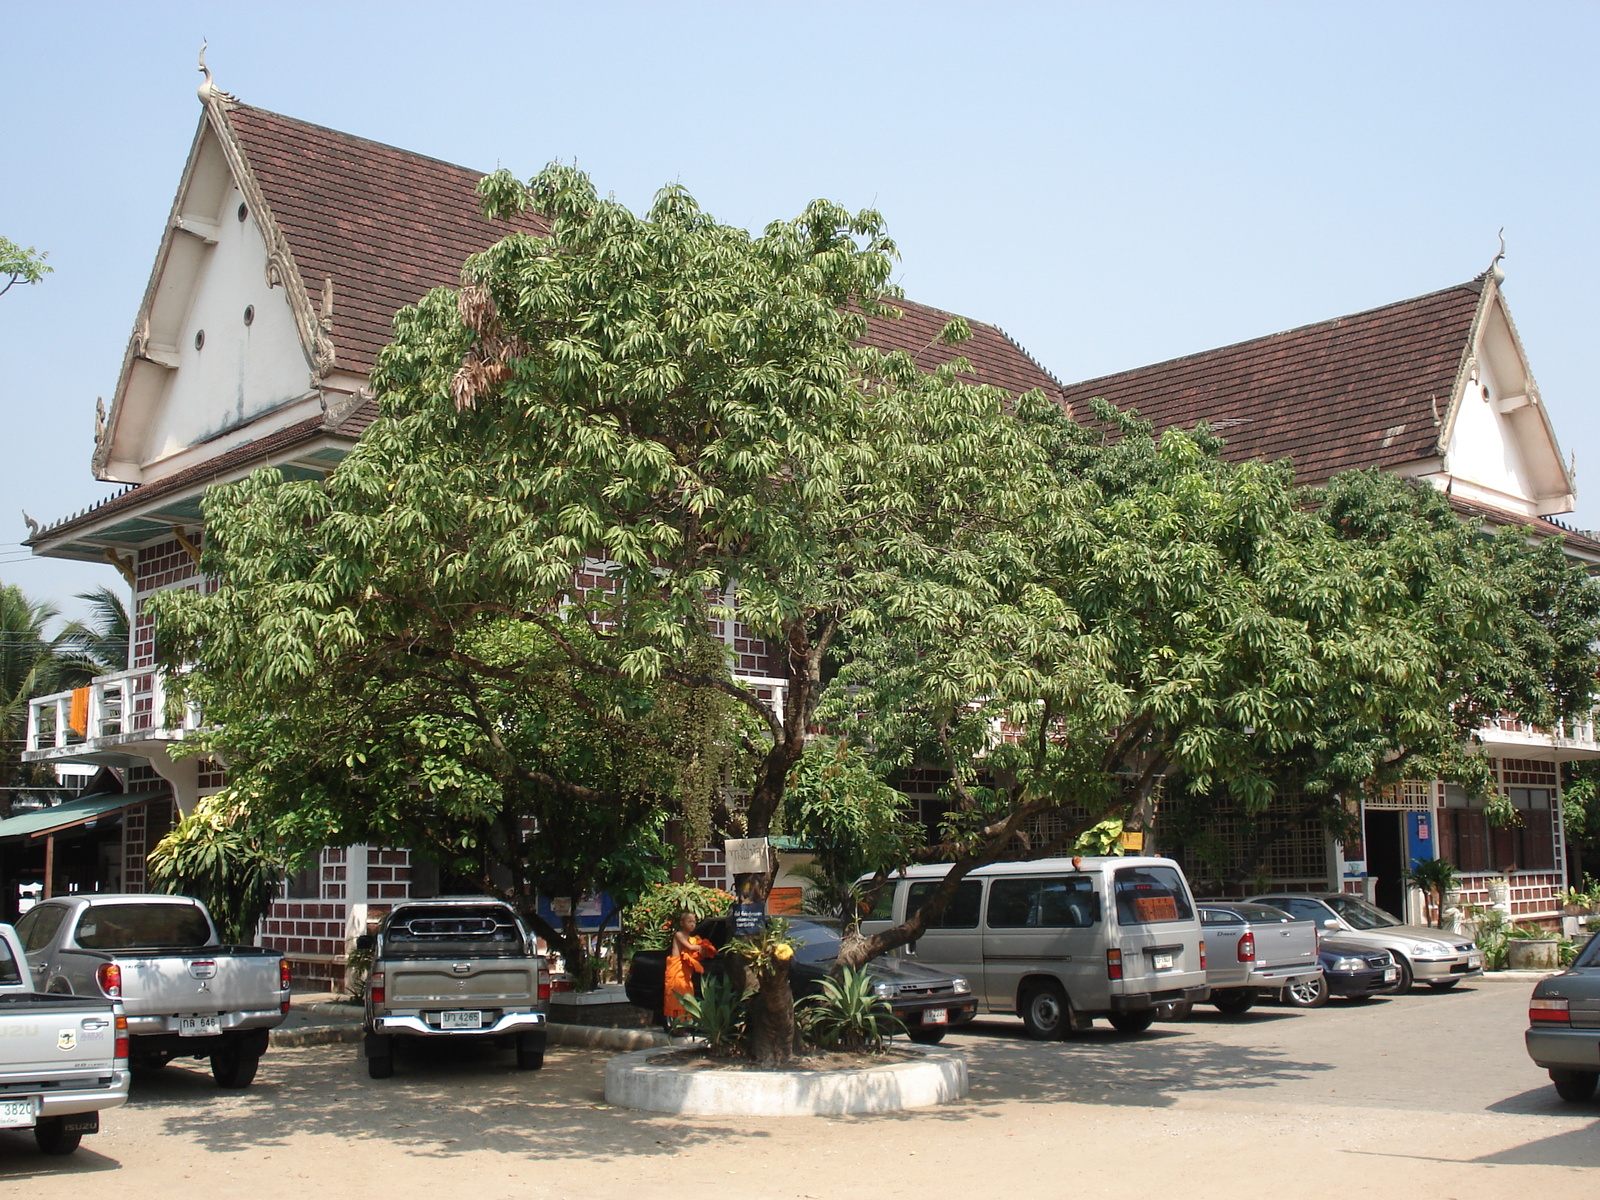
(1502,450)
(218,348)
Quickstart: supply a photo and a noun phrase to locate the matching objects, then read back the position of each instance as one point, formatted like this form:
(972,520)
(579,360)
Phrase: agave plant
(717,1013)
(847,1014)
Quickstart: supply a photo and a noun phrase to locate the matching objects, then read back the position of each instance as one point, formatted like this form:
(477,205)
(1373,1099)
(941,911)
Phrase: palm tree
(102,640)
(32,663)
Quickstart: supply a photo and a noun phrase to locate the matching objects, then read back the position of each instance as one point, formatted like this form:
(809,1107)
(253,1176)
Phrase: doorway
(1386,843)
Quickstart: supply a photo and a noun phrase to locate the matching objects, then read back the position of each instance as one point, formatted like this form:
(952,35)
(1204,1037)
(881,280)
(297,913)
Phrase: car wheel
(1443,985)
(530,1051)
(1046,1012)
(53,1138)
(1576,1086)
(233,1067)
(1402,986)
(930,1035)
(1132,1022)
(1307,993)
(381,1067)
(1235,1001)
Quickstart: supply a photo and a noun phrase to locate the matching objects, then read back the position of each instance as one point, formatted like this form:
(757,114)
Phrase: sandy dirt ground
(1424,1096)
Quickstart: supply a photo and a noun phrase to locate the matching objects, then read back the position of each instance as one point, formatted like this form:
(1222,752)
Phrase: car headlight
(961,985)
(1425,949)
(1350,964)
(885,990)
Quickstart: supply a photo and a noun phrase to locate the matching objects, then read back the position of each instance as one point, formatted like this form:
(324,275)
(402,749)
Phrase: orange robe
(681,970)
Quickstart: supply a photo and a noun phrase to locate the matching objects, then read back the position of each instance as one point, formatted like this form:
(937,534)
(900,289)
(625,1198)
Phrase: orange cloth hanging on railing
(78,720)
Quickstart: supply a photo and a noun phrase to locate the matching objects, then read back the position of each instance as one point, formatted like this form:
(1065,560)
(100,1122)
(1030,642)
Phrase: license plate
(199,1026)
(461,1020)
(18,1114)
(936,1016)
(1391,974)
(1161,962)
(1474,961)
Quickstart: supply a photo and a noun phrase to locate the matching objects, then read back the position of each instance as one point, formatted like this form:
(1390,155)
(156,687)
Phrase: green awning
(74,812)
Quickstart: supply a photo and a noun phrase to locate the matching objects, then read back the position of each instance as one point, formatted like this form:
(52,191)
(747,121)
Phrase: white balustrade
(121,705)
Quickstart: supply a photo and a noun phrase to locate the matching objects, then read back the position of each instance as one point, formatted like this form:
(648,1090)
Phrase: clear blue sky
(1112,184)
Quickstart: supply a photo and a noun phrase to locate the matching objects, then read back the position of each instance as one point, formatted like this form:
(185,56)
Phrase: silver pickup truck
(1251,949)
(185,994)
(62,1059)
(460,967)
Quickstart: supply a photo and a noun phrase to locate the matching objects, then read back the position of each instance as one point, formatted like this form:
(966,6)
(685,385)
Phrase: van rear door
(1157,931)
(952,941)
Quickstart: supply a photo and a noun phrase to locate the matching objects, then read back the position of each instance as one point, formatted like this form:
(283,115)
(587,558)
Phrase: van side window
(1151,895)
(960,913)
(1061,902)
(882,904)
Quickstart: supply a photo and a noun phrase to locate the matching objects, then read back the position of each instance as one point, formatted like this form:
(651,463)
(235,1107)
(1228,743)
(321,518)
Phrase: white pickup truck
(62,1059)
(185,994)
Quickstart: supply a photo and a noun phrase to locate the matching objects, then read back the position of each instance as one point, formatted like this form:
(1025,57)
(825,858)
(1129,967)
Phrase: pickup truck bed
(62,1058)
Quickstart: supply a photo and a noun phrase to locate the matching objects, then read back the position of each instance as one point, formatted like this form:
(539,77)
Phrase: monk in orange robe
(684,962)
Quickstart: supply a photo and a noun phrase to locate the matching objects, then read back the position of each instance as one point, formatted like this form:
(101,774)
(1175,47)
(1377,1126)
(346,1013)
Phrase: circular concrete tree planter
(935,1076)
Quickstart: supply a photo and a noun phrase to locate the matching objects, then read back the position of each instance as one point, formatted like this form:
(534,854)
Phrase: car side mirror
(365,941)
(1331,923)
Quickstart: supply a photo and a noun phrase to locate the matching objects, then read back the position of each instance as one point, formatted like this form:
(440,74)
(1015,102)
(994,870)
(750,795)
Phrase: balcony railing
(118,707)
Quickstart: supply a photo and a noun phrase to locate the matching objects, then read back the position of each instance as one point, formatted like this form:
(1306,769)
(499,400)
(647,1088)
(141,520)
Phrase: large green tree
(512,604)
(1207,628)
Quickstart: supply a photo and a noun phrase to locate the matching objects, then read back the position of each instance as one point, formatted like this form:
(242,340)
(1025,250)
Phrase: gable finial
(1495,268)
(208,87)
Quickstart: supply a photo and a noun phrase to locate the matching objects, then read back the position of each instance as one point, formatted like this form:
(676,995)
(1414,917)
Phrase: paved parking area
(1427,1095)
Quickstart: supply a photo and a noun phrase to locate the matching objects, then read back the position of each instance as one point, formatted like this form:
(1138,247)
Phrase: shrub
(647,920)
(214,855)
(847,1014)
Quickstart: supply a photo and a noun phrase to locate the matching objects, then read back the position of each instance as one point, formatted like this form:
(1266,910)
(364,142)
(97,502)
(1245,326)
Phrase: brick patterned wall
(134,849)
(712,869)
(157,567)
(388,874)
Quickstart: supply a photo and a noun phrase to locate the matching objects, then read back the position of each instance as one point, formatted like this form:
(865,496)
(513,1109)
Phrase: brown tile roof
(995,358)
(386,225)
(1583,540)
(1367,390)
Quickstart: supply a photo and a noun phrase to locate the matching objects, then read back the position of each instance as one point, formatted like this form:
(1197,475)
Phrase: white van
(1061,941)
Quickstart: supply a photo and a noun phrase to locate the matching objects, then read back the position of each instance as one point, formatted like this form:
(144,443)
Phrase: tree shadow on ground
(442,1101)
(1104,1067)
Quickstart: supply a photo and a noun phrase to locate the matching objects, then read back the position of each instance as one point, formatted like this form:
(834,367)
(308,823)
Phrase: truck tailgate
(1285,944)
(212,979)
(431,983)
(60,1039)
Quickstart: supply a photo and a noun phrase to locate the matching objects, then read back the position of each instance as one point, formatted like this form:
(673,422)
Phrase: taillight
(1202,954)
(1113,964)
(109,977)
(283,974)
(544,989)
(1247,948)
(375,987)
(122,1037)
(1548,1012)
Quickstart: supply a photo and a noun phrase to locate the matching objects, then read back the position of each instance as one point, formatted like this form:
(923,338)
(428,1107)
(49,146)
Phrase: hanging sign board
(746,856)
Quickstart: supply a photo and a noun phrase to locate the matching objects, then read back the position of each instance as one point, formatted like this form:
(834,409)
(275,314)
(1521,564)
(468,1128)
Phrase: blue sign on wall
(596,914)
(1420,840)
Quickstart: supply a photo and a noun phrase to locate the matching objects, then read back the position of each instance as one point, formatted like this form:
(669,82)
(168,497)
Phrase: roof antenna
(1495,268)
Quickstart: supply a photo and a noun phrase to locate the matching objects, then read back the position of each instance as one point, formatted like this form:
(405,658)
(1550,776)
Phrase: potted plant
(1530,948)
(1437,877)
(1499,889)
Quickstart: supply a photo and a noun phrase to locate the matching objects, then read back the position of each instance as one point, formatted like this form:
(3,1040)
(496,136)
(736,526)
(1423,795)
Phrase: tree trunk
(772,1030)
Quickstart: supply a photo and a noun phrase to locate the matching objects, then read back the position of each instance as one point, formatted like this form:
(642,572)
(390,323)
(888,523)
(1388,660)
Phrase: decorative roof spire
(208,88)
(1495,269)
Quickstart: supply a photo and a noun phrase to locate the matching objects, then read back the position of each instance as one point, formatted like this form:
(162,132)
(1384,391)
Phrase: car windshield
(151,926)
(472,930)
(818,943)
(1260,914)
(1358,914)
